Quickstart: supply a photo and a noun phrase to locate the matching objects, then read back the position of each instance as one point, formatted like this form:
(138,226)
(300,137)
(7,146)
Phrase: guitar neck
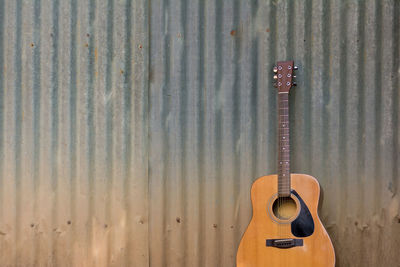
(283,145)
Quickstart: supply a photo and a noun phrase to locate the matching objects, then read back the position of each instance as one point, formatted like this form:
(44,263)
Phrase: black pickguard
(303,225)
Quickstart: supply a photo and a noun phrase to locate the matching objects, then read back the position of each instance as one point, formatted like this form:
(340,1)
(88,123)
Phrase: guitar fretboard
(283,145)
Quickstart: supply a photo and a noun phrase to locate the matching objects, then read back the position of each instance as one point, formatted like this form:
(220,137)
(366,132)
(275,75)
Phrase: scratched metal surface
(131,131)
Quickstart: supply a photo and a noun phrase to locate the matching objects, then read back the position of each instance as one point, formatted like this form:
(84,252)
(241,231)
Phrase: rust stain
(233,32)
(267,30)
(95,54)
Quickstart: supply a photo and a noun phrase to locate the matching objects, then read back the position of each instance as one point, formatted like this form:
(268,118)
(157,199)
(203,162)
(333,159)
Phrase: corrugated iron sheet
(73,111)
(131,131)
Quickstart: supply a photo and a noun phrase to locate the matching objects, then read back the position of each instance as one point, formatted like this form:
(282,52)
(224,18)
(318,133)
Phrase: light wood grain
(317,249)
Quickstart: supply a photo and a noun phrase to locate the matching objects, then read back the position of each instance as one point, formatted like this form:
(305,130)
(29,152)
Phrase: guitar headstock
(283,76)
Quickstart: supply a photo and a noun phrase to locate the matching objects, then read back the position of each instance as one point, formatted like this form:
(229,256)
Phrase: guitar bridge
(284,243)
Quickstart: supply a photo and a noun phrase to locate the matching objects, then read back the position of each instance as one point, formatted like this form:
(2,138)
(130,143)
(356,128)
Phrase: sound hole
(284,208)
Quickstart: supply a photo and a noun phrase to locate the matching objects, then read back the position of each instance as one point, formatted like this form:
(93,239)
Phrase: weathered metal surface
(73,111)
(131,131)
(213,122)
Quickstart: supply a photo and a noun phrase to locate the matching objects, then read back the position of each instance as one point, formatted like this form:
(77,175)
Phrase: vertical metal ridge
(176,139)
(361,100)
(183,121)
(18,126)
(164,121)
(2,111)
(378,124)
(153,229)
(109,124)
(395,112)
(246,150)
(386,195)
(378,107)
(254,95)
(90,134)
(149,128)
(73,129)
(145,10)
(210,183)
(139,172)
(342,111)
(157,148)
(326,83)
(307,73)
(291,18)
(127,110)
(36,124)
(316,89)
(271,159)
(236,123)
(396,86)
(219,53)
(8,253)
(54,129)
(2,117)
(361,120)
(295,108)
(201,132)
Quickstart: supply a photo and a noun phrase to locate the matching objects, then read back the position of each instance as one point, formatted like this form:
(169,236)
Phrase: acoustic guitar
(285,229)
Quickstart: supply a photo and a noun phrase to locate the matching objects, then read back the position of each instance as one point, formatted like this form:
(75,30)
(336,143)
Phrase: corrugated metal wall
(73,119)
(131,131)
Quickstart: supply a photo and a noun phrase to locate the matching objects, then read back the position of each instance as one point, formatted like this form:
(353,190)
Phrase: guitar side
(317,249)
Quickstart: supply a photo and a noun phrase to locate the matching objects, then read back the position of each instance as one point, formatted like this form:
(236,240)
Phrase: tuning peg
(296,68)
(275,77)
(275,69)
(294,76)
(294,84)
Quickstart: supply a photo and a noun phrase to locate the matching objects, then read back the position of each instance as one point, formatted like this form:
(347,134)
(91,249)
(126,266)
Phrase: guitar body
(304,226)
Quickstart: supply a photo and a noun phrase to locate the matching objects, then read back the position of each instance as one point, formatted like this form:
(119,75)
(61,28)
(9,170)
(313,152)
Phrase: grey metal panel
(213,117)
(131,131)
(74,80)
